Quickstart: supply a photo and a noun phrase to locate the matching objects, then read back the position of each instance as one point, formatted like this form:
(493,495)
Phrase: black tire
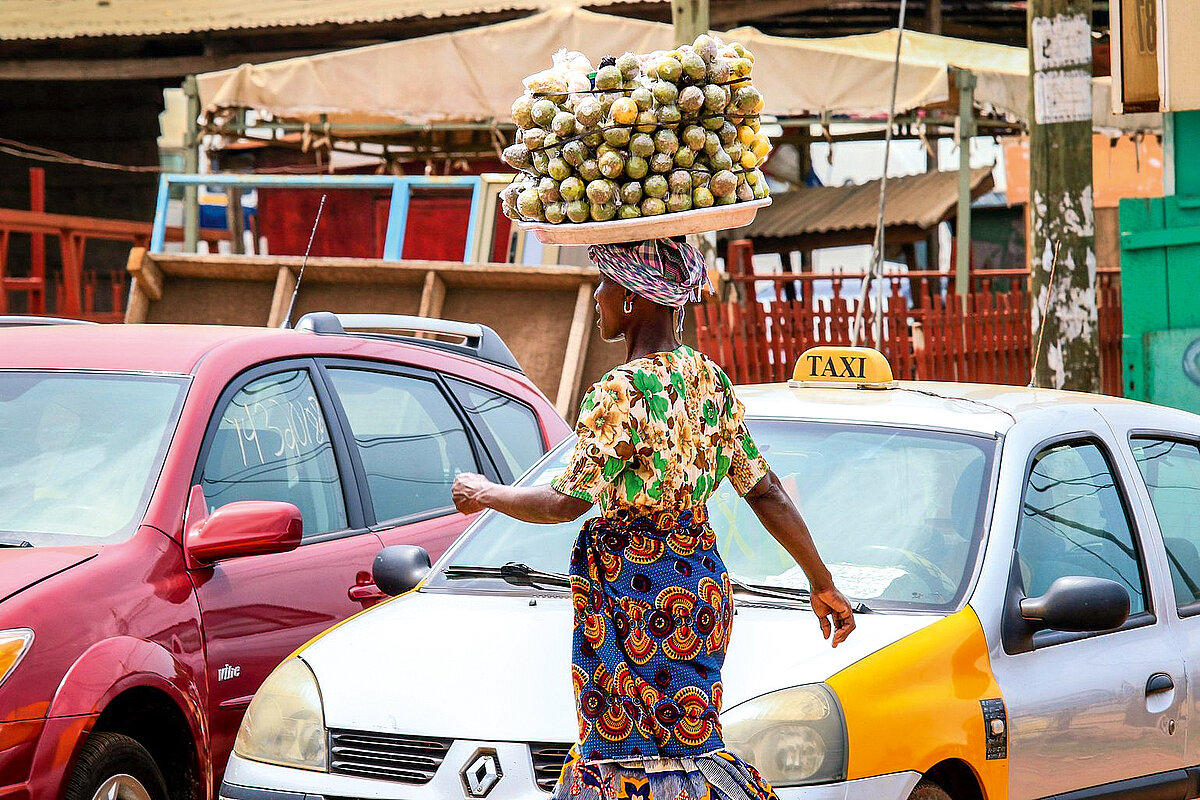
(928,790)
(104,757)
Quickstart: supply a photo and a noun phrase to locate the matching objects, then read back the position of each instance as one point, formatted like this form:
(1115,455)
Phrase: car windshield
(896,513)
(80,453)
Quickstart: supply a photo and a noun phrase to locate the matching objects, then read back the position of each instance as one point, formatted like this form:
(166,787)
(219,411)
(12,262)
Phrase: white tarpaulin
(473,75)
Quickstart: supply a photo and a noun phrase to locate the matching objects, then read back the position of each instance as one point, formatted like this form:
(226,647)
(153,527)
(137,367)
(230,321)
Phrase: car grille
(405,759)
(548,760)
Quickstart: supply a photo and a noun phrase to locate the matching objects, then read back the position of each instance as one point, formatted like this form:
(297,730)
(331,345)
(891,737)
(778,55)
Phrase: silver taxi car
(1025,565)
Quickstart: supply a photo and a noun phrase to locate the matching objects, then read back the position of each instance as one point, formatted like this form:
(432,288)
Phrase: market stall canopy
(809,218)
(471,76)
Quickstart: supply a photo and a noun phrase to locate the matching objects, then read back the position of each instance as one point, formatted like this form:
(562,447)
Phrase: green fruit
(604,148)
(540,162)
(548,191)
(706,46)
(712,143)
(571,189)
(701,198)
(661,163)
(720,160)
(694,66)
(612,165)
(700,179)
(543,112)
(629,66)
(642,144)
(734,149)
(529,204)
(723,183)
(679,202)
(727,133)
(521,108)
(665,141)
(725,199)
(587,112)
(631,193)
(548,145)
(637,167)
(599,191)
(715,98)
(655,186)
(679,181)
(647,122)
(578,211)
(628,212)
(747,99)
(593,138)
(517,156)
(745,192)
(617,136)
(718,71)
(754,176)
(563,124)
(712,123)
(664,93)
(554,212)
(693,136)
(760,190)
(668,114)
(534,138)
(643,97)
(558,169)
(652,207)
(574,152)
(691,100)
(589,170)
(608,78)
(685,157)
(669,69)
(603,212)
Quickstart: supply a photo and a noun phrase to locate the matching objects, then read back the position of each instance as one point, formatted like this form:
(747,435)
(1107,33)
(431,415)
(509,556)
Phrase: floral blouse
(660,432)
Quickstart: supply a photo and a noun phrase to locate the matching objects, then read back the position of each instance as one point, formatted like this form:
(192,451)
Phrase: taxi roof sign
(857,367)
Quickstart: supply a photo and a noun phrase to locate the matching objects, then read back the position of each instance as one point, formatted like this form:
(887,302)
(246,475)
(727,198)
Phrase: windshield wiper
(788,593)
(6,542)
(513,572)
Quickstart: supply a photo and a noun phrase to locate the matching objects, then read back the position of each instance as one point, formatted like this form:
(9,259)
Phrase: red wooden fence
(928,332)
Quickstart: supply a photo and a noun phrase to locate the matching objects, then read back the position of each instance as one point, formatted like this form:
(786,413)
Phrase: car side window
(411,442)
(272,443)
(1074,522)
(513,430)
(1171,470)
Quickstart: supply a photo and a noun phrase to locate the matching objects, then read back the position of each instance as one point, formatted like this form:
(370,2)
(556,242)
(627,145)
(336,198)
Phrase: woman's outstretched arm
(540,504)
(780,517)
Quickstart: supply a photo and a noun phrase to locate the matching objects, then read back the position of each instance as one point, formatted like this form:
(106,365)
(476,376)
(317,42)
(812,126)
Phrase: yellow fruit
(758,105)
(624,111)
(761,146)
(749,160)
(746,54)
(745,135)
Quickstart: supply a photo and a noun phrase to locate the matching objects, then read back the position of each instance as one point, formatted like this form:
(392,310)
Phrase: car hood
(497,667)
(21,567)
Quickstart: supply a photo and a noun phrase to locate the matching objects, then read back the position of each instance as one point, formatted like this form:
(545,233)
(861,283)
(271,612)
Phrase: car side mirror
(244,528)
(1078,603)
(399,568)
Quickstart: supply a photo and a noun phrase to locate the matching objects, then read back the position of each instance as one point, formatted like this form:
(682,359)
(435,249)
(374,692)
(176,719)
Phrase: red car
(183,506)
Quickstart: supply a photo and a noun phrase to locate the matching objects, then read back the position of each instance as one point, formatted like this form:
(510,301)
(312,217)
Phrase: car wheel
(928,790)
(115,767)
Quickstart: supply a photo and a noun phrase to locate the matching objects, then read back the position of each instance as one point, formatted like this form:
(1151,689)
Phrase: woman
(652,599)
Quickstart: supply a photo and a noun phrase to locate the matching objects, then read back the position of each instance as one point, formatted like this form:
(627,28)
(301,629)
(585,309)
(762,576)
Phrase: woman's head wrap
(664,271)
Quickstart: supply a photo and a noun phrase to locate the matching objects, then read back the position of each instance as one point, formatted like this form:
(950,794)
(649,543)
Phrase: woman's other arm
(540,504)
(780,517)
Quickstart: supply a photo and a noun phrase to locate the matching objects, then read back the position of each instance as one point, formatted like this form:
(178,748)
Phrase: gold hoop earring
(628,307)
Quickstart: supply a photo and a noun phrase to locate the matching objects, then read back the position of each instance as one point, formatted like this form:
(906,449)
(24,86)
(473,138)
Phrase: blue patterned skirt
(652,617)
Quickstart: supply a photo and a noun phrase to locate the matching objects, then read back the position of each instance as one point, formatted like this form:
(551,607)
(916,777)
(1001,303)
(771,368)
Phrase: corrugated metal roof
(921,200)
(69,19)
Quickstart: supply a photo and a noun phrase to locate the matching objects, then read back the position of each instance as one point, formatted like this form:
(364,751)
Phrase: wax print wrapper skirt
(652,617)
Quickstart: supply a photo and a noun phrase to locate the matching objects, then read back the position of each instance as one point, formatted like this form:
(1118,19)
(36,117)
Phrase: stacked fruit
(641,135)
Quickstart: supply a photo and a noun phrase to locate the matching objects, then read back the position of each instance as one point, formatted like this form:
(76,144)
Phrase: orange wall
(1120,168)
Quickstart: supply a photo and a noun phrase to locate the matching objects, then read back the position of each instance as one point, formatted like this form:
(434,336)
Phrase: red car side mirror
(245,528)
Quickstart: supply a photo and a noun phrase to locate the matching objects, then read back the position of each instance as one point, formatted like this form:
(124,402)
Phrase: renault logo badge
(482,773)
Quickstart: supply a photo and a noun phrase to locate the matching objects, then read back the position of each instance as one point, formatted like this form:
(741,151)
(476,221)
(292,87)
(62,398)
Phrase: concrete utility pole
(690,18)
(1060,195)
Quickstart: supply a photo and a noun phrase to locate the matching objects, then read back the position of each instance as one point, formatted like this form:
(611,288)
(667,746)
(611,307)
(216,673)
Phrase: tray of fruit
(644,146)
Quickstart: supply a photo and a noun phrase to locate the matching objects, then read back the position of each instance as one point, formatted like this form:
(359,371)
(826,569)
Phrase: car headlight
(285,723)
(14,643)
(792,737)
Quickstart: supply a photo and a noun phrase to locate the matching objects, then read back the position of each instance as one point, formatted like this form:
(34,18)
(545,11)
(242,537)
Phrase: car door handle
(1159,682)
(365,593)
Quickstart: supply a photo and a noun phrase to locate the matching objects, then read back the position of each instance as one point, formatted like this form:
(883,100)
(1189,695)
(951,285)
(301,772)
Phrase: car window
(513,431)
(1074,522)
(411,442)
(1172,473)
(273,444)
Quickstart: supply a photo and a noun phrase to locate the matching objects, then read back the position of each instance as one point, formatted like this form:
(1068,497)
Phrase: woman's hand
(834,611)
(468,492)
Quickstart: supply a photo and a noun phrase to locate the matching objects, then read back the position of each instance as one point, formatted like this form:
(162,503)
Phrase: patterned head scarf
(664,271)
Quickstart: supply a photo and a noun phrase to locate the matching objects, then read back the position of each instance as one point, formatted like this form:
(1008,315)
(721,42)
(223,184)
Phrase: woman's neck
(654,336)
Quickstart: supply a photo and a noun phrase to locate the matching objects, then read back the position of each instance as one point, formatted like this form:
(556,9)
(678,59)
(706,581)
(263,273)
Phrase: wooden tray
(680,223)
